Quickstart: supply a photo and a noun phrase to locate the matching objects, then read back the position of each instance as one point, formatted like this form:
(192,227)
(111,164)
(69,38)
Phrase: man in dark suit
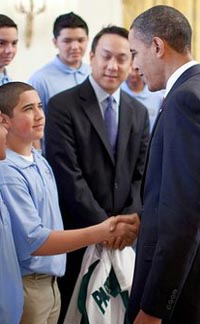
(96,179)
(166,285)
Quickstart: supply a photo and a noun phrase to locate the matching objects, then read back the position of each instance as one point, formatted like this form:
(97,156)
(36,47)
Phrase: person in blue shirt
(136,88)
(8,45)
(66,70)
(11,290)
(29,192)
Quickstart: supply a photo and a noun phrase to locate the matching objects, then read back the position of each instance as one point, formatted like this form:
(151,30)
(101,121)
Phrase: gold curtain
(191,9)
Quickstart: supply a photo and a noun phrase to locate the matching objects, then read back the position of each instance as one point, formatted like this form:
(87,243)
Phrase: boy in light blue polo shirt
(137,88)
(67,69)
(11,290)
(29,192)
(8,45)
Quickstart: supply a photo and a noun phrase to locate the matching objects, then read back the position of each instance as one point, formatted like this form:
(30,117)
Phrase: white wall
(96,13)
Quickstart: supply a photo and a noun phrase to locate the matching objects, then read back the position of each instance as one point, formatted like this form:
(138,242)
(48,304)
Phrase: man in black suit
(166,285)
(94,179)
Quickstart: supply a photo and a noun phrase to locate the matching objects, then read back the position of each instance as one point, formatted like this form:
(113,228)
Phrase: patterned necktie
(111,122)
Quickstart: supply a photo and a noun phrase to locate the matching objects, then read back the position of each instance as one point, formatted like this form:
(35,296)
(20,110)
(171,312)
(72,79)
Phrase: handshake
(120,231)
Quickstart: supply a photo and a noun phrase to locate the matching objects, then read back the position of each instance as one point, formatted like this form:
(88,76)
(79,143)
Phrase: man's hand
(124,230)
(143,318)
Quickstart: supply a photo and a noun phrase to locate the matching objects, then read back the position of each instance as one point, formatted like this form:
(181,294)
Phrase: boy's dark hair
(9,95)
(69,20)
(5,21)
(111,29)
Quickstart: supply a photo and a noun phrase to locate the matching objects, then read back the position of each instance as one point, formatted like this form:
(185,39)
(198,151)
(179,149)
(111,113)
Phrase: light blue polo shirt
(30,194)
(151,100)
(55,77)
(11,290)
(4,78)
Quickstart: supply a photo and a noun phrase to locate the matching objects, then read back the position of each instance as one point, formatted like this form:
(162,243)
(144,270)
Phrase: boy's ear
(5,120)
(54,40)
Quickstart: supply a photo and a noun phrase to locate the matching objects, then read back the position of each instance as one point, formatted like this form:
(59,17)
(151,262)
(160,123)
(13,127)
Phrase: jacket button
(116,185)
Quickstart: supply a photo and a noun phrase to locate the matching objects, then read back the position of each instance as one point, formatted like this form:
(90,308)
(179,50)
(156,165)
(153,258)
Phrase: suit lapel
(92,110)
(148,149)
(185,76)
(124,128)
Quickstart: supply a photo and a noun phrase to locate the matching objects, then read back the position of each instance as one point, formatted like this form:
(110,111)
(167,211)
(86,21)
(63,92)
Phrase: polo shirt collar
(4,78)
(18,160)
(64,67)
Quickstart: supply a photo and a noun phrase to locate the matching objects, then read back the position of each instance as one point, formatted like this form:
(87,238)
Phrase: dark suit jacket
(167,274)
(91,183)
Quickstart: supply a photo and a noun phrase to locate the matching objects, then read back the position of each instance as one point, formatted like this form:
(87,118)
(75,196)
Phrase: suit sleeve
(176,251)
(78,205)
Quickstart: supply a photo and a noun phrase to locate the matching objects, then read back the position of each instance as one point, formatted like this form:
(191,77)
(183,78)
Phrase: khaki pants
(41,300)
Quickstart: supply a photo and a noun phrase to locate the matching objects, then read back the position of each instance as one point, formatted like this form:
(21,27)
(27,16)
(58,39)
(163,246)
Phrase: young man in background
(67,69)
(8,45)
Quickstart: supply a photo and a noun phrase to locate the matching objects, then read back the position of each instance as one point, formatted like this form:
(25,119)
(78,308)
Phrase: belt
(38,276)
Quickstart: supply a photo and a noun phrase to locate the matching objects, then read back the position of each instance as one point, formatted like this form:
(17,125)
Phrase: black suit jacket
(167,274)
(92,184)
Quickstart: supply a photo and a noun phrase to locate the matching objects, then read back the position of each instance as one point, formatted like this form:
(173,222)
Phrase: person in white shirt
(166,285)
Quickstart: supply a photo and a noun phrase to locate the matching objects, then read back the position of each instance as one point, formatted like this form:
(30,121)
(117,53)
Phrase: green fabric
(83,293)
(112,288)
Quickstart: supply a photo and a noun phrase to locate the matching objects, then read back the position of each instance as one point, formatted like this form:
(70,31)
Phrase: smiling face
(8,45)
(147,58)
(71,44)
(27,121)
(111,61)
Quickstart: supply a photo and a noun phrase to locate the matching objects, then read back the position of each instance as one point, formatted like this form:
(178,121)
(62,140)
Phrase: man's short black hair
(167,23)
(69,20)
(110,29)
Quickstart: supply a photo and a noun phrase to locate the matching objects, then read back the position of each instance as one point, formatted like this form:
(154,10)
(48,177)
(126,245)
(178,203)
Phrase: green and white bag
(103,286)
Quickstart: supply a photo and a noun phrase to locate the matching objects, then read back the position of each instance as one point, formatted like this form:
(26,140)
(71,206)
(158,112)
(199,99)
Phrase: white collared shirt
(174,77)
(102,95)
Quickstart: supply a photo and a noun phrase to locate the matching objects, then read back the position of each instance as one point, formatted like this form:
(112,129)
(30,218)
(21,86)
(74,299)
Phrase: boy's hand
(123,231)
